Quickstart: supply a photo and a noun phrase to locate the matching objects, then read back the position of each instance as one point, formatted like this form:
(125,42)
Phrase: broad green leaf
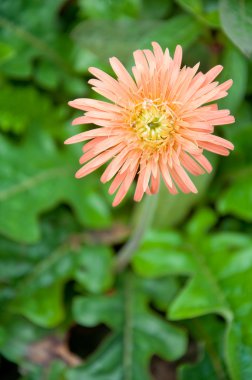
(182,29)
(38,273)
(36,291)
(210,365)
(161,254)
(34,350)
(235,68)
(47,309)
(94,269)
(203,369)
(57,371)
(19,66)
(83,59)
(6,51)
(36,177)
(47,12)
(198,52)
(221,285)
(239,163)
(202,221)
(237,199)
(113,9)
(103,364)
(220,267)
(138,333)
(161,290)
(192,5)
(99,36)
(47,75)
(19,260)
(74,86)
(243,115)
(205,10)
(236,22)
(33,31)
(159,9)
(20,334)
(214,261)
(44,306)
(40,298)
(31,110)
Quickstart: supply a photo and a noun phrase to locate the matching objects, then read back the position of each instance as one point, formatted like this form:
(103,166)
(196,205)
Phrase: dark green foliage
(137,332)
(189,284)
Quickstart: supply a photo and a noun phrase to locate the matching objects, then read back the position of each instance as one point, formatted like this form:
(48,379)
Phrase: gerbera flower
(156,123)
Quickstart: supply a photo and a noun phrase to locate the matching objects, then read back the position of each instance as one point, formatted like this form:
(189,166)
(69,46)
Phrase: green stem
(144,221)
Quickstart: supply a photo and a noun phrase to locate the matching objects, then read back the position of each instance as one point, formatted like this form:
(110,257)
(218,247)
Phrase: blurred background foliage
(183,310)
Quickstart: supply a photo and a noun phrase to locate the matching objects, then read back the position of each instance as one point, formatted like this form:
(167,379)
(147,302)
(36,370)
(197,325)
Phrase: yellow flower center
(153,122)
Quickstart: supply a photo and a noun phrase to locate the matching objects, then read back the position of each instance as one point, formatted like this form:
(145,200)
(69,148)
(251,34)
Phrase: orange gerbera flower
(155,123)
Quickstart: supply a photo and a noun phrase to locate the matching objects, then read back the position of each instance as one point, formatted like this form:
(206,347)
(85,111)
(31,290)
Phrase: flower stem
(144,221)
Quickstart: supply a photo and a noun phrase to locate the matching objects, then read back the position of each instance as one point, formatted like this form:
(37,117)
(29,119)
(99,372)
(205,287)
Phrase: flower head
(156,123)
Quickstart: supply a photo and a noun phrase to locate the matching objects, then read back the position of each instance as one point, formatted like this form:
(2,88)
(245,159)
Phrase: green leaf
(94,270)
(19,66)
(161,291)
(94,35)
(41,308)
(37,274)
(46,13)
(39,296)
(219,266)
(237,24)
(205,10)
(100,38)
(191,5)
(6,51)
(20,334)
(31,109)
(236,68)
(201,370)
(37,352)
(202,221)
(34,301)
(237,199)
(113,9)
(210,365)
(19,260)
(221,285)
(33,32)
(47,75)
(159,9)
(239,163)
(161,253)
(138,333)
(57,371)
(83,59)
(36,177)
(74,86)
(182,29)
